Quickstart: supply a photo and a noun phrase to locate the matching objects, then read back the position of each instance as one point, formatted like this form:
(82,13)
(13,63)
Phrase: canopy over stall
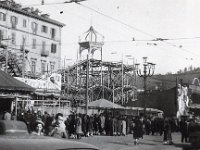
(104,104)
(12,89)
(7,82)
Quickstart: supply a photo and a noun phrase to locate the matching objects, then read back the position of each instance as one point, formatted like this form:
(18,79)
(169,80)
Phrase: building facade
(30,41)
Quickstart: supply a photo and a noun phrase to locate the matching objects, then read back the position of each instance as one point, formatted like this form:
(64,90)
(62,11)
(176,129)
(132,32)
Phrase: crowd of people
(78,125)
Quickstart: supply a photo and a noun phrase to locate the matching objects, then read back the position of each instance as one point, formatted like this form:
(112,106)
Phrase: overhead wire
(137,29)
(134,28)
(119,21)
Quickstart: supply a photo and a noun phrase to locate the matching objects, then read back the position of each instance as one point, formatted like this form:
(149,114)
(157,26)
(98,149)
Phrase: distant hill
(168,81)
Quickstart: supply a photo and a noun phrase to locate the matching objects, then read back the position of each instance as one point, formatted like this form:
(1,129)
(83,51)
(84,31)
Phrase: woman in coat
(79,131)
(137,130)
(123,127)
(167,132)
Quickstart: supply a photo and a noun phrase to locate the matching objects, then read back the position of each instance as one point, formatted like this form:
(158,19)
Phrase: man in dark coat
(184,130)
(137,130)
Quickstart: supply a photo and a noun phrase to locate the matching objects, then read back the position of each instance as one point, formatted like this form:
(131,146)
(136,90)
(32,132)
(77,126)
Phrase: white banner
(52,83)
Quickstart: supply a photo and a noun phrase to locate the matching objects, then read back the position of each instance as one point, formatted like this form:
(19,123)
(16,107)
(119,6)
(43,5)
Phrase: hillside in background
(168,81)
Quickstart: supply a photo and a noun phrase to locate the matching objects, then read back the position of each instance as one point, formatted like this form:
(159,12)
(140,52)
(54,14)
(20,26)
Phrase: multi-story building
(30,41)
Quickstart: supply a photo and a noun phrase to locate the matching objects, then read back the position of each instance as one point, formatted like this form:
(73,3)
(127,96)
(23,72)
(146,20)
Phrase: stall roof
(103,103)
(7,82)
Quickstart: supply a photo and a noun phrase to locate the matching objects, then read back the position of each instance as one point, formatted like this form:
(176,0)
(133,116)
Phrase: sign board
(49,84)
(195,88)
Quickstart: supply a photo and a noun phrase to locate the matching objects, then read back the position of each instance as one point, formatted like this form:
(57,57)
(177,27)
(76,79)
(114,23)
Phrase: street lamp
(148,71)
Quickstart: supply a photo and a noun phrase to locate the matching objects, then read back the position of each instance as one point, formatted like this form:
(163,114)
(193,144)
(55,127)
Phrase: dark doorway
(5,104)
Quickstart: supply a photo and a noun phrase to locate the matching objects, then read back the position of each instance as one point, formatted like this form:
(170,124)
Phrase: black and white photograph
(99,75)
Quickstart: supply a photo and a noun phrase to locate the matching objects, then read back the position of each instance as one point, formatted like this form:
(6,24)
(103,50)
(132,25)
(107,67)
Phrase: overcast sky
(122,20)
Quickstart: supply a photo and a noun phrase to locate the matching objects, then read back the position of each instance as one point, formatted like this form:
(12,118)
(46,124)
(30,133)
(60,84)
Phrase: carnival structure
(91,78)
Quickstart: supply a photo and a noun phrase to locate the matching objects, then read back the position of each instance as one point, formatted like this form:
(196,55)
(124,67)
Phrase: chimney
(45,15)
(27,9)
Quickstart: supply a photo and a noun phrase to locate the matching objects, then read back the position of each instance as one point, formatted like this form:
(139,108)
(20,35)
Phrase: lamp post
(148,71)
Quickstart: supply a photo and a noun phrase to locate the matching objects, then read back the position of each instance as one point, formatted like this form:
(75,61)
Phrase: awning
(7,82)
(103,103)
(47,94)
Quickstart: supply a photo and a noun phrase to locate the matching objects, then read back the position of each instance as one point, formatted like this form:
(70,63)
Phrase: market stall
(11,91)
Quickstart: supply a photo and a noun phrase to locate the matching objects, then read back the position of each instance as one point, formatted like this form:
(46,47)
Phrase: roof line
(18,10)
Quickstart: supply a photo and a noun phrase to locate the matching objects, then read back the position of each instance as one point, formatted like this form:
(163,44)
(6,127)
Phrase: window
(34,27)
(53,48)
(34,44)
(44,29)
(13,21)
(23,42)
(1,35)
(24,23)
(33,66)
(2,16)
(52,67)
(53,33)
(43,45)
(43,64)
(13,38)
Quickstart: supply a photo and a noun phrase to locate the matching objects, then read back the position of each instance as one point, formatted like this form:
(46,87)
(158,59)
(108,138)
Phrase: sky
(121,21)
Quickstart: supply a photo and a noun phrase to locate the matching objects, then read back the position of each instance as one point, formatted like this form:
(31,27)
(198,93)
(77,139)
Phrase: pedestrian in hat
(39,126)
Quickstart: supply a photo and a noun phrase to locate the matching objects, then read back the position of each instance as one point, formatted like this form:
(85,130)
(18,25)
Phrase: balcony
(44,53)
(23,49)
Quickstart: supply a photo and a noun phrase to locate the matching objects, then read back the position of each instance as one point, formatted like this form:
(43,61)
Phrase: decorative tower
(91,41)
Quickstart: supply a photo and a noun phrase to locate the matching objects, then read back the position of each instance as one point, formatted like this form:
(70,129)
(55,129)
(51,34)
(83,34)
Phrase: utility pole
(1,37)
(122,81)
(77,73)
(64,72)
(87,84)
(23,48)
(135,77)
(113,86)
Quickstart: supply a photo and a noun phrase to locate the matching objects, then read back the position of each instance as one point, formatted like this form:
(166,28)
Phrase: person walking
(7,115)
(137,130)
(39,128)
(79,131)
(119,125)
(167,139)
(123,126)
(102,124)
(58,127)
(184,129)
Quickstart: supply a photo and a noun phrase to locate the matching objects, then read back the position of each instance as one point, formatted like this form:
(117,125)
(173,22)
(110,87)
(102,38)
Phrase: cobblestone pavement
(149,142)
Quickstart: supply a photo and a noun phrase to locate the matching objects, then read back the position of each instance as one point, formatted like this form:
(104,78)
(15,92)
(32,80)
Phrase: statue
(182,100)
